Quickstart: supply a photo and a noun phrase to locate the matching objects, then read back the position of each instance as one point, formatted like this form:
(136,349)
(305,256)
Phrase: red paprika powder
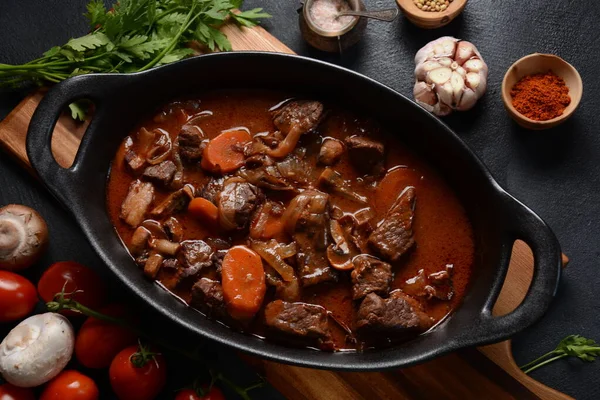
(541,96)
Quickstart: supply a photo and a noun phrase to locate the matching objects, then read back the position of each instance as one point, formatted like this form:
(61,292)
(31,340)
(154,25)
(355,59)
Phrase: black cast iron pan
(121,101)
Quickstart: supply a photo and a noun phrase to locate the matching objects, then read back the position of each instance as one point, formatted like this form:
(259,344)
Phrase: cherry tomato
(11,392)
(71,385)
(17,296)
(77,277)
(98,342)
(137,383)
(189,394)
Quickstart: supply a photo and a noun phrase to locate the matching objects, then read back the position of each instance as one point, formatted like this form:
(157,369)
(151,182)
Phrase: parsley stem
(173,42)
(548,361)
(537,360)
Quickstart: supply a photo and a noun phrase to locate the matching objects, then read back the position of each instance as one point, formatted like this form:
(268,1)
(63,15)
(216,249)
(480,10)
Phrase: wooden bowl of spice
(540,91)
(431,14)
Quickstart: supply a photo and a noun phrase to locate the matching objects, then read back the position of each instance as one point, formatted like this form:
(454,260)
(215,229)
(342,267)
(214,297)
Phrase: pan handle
(57,179)
(522,223)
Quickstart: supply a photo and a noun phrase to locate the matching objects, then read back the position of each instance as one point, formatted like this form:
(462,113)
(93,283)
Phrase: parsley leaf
(77,111)
(91,41)
(571,346)
(96,13)
(132,36)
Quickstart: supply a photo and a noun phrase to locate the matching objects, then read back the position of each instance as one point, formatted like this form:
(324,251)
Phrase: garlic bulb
(449,75)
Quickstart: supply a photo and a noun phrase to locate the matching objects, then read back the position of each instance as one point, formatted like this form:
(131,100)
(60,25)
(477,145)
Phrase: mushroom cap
(23,237)
(36,350)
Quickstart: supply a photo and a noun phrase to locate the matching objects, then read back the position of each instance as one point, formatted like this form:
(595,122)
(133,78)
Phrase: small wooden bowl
(431,20)
(540,63)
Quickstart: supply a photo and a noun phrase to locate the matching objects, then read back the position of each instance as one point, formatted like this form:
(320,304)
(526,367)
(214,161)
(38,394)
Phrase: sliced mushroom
(332,180)
(23,237)
(153,264)
(139,241)
(175,202)
(165,247)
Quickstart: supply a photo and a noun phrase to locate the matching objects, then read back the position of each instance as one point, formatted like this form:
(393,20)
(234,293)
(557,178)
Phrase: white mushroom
(23,237)
(449,75)
(36,350)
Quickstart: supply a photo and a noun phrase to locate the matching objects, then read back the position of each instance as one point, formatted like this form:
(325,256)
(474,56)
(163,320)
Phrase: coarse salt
(324,14)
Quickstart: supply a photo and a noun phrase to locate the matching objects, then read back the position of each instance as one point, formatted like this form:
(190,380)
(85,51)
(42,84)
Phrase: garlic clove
(450,47)
(445,93)
(424,68)
(467,101)
(461,71)
(442,109)
(473,65)
(424,94)
(445,61)
(464,51)
(473,79)
(458,85)
(439,76)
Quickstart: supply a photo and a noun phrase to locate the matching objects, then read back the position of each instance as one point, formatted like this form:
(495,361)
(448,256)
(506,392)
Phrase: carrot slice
(225,153)
(204,210)
(243,280)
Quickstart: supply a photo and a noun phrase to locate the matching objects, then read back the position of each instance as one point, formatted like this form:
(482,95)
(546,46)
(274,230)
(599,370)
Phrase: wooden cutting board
(489,373)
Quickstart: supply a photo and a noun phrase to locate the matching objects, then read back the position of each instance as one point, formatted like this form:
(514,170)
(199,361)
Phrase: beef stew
(358,239)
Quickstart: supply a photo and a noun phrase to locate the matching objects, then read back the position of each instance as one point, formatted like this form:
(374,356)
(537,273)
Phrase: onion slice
(274,253)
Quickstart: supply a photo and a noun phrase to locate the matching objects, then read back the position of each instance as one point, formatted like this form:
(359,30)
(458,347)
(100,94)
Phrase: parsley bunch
(573,345)
(134,35)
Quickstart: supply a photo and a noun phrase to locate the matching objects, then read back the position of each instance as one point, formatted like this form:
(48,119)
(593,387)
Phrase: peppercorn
(433,5)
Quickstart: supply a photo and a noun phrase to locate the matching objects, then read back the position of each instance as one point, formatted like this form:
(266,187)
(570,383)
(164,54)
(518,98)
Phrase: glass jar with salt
(323,27)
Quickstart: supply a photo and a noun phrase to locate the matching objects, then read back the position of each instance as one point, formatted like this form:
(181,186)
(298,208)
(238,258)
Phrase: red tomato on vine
(137,374)
(71,385)
(17,297)
(87,287)
(98,342)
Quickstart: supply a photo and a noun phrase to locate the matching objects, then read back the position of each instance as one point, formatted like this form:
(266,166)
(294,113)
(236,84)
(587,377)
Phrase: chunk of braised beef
(312,264)
(366,154)
(394,235)
(194,255)
(298,319)
(236,203)
(370,275)
(190,142)
(293,119)
(211,190)
(435,285)
(331,151)
(137,202)
(207,296)
(161,174)
(134,161)
(306,219)
(170,264)
(174,203)
(397,314)
(301,115)
(418,286)
(173,229)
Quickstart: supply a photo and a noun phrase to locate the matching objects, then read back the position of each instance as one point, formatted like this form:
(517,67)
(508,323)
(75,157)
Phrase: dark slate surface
(554,172)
